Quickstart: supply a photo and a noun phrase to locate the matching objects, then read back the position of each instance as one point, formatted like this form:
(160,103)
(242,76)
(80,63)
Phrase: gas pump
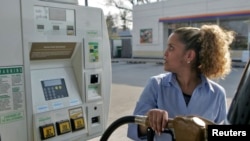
(55,71)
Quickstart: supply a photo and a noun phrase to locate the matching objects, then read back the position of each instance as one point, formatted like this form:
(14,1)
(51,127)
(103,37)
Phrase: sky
(100,4)
(106,10)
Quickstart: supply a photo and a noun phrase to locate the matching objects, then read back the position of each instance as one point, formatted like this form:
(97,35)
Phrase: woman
(193,57)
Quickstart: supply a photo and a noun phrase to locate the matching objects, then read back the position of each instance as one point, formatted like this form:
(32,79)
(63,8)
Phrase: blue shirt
(163,92)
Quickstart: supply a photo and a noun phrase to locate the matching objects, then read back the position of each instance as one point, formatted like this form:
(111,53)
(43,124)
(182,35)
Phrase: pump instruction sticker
(54,50)
(11,89)
(92,33)
(93,52)
(11,117)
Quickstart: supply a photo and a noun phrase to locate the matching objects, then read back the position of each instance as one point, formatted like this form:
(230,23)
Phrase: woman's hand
(157,119)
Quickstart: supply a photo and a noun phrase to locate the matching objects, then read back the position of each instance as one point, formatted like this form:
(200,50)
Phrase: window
(240,26)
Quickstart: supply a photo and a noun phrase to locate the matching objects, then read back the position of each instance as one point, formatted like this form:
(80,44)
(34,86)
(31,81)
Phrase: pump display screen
(54,89)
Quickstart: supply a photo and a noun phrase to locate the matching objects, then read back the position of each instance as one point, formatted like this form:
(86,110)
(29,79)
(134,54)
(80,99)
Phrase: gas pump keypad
(54,89)
(47,131)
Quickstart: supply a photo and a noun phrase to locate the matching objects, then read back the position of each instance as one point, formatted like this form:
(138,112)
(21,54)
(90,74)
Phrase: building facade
(153,23)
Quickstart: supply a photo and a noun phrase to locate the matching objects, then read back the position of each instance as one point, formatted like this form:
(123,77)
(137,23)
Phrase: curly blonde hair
(211,44)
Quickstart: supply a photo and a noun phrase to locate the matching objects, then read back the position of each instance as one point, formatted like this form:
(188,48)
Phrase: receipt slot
(93,85)
(56,81)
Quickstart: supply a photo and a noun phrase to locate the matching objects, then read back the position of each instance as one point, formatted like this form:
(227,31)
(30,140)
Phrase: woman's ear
(190,56)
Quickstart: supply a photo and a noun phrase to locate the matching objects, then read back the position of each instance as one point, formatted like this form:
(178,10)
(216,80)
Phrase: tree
(125,7)
(110,24)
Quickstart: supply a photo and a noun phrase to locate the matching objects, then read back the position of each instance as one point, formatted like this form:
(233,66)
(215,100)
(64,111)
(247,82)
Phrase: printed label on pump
(11,89)
(54,50)
(93,52)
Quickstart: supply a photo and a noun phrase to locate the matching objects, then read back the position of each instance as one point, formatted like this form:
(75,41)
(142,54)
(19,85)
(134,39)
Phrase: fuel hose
(119,122)
(141,120)
(180,124)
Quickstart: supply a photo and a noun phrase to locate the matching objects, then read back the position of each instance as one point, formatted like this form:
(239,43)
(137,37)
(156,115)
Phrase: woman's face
(174,54)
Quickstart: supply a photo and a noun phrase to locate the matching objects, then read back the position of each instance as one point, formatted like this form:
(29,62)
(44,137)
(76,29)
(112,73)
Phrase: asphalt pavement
(128,81)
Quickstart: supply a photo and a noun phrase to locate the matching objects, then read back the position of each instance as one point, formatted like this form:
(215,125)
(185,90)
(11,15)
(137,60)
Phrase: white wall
(148,15)
(144,17)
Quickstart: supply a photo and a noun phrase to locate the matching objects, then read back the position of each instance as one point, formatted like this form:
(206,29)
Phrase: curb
(235,64)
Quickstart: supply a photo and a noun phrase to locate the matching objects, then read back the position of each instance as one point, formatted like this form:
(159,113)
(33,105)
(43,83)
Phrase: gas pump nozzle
(141,120)
(185,128)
